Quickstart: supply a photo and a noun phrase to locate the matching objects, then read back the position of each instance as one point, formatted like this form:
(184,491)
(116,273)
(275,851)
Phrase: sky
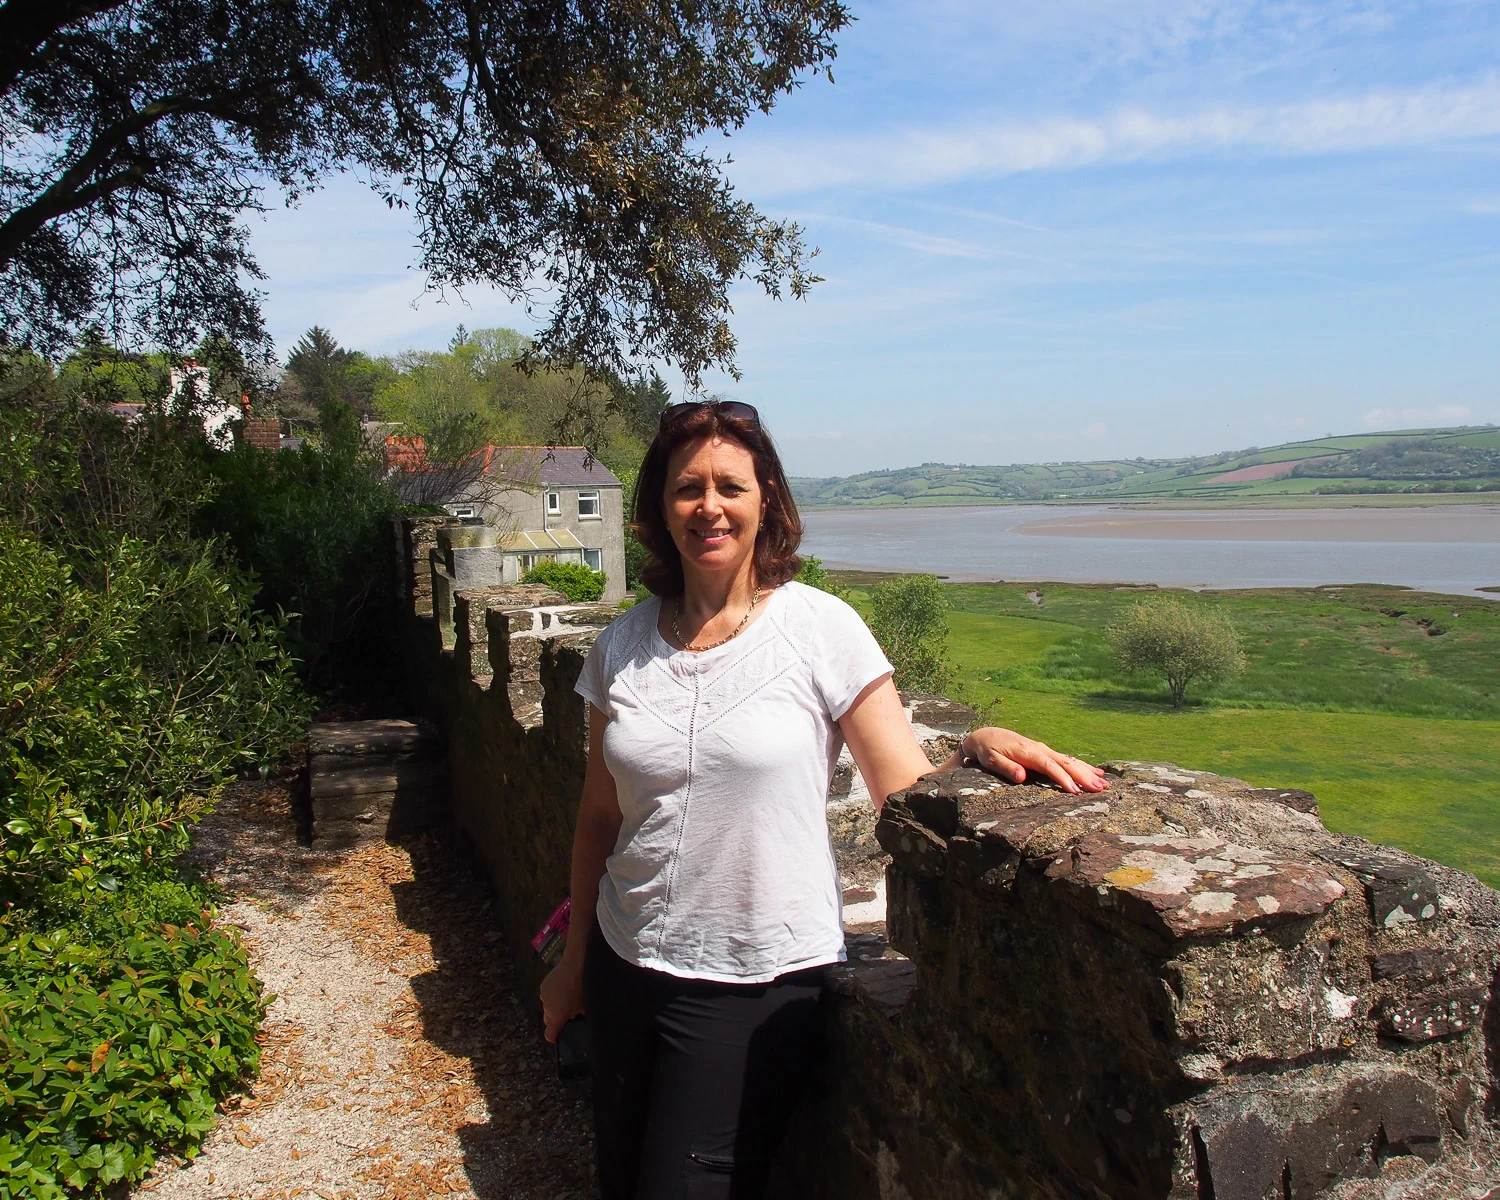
(1072,229)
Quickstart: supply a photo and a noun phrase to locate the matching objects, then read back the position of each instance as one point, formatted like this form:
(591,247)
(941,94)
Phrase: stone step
(377,806)
(357,738)
(345,775)
(374,815)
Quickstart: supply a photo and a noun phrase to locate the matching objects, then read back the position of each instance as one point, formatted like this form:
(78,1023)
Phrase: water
(1453,549)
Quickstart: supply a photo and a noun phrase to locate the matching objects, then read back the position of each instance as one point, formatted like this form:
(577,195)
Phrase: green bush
(1179,641)
(574,580)
(127,708)
(314,527)
(814,575)
(111,1050)
(909,618)
(136,677)
(637,557)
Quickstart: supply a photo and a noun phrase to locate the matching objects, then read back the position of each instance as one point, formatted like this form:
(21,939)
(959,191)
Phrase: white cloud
(916,157)
(909,239)
(1407,418)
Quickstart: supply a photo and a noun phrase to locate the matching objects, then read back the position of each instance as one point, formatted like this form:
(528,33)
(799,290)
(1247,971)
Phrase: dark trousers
(694,1082)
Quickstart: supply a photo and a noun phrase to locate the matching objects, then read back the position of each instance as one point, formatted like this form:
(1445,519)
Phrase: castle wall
(1183,988)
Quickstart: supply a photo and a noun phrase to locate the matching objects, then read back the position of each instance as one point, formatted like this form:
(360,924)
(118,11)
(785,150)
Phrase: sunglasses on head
(726,408)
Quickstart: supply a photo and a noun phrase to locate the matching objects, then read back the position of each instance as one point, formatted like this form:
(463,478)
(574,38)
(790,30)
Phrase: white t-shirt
(721,759)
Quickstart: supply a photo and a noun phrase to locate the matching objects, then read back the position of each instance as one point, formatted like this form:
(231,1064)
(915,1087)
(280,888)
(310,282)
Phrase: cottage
(561,503)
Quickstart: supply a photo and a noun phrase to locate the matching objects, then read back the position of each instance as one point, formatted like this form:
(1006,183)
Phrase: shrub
(127,707)
(637,557)
(574,580)
(314,526)
(111,1050)
(909,617)
(137,677)
(1179,641)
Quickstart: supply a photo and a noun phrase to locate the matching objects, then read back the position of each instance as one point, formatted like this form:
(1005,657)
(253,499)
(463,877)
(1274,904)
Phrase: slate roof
(559,466)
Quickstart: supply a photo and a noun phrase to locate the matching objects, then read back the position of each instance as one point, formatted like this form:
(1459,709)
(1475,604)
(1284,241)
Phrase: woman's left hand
(1009,755)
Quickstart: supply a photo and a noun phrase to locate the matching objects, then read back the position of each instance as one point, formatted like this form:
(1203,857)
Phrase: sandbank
(1477,524)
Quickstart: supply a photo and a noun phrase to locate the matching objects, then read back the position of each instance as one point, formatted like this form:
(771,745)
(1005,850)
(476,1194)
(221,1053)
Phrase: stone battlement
(1182,988)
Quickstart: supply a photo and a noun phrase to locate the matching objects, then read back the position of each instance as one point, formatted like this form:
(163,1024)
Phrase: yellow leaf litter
(398,1061)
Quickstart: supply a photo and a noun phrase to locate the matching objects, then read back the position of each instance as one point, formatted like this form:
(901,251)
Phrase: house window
(594,560)
(461,510)
(554,504)
(588,504)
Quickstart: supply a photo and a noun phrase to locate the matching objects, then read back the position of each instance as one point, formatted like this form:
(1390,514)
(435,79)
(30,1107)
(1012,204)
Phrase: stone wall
(1181,988)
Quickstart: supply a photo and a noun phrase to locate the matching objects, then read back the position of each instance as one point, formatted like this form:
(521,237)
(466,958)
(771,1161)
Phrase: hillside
(1465,459)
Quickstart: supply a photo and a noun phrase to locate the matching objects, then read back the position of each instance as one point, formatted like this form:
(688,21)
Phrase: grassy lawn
(1384,703)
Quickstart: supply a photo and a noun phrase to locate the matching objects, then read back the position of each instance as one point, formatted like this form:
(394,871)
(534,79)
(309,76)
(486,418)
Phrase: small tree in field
(1179,641)
(909,618)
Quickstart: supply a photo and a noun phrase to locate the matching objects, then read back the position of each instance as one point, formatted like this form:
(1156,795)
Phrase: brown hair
(780,532)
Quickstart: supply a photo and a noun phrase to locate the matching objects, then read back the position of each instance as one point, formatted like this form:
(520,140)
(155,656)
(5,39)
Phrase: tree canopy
(481,392)
(909,618)
(549,148)
(1179,641)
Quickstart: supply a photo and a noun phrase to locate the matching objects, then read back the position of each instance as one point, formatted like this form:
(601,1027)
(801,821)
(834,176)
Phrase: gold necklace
(687,645)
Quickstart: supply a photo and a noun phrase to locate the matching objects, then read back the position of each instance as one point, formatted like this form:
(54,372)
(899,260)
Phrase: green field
(1437,465)
(1384,703)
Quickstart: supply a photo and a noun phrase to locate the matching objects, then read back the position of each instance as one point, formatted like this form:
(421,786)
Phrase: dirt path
(398,1061)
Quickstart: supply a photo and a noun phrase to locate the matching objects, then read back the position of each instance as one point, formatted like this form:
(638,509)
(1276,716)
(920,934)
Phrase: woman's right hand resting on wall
(886,751)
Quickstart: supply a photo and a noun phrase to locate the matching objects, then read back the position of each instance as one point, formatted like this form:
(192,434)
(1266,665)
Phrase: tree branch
(71,191)
(25,26)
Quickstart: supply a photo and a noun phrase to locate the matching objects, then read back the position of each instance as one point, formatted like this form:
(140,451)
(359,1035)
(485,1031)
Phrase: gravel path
(398,1060)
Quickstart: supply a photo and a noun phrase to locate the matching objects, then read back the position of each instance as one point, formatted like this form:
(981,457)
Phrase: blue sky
(1072,229)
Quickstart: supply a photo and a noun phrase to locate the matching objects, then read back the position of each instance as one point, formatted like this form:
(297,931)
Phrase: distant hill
(1465,459)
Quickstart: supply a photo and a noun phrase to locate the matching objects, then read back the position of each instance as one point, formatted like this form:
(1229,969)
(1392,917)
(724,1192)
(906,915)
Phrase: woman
(706,900)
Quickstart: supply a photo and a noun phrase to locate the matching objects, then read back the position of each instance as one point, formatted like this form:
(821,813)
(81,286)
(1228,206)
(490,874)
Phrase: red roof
(405,454)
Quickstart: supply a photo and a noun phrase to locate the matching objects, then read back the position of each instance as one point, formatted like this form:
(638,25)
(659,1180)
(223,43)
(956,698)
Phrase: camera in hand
(573,1051)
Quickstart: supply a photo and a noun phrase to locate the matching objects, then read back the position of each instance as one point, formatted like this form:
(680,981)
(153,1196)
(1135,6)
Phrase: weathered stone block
(372,779)
(442,599)
(1400,892)
(1291,797)
(474,610)
(1438,1015)
(364,807)
(416,539)
(1186,886)
(1269,1138)
(939,713)
(581,616)
(525,659)
(841,780)
(372,737)
(1426,964)
(920,850)
(347,775)
(1182,944)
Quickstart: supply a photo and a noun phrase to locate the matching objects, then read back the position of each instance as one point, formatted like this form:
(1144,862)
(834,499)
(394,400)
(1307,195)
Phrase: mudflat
(1447,524)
